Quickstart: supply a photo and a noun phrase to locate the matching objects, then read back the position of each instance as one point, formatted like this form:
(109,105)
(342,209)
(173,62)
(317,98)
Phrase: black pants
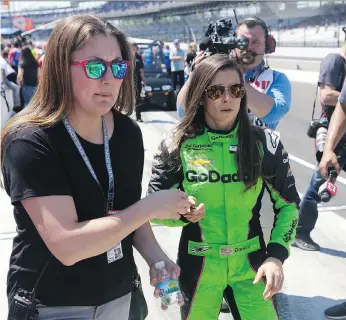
(175,75)
(138,87)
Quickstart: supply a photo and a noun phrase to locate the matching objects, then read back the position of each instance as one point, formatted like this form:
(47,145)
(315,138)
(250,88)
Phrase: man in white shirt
(7,71)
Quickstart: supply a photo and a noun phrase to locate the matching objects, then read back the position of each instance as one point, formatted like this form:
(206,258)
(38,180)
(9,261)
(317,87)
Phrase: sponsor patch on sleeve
(272,139)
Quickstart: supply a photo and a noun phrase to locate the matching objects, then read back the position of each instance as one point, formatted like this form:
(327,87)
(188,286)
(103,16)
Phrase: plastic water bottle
(169,288)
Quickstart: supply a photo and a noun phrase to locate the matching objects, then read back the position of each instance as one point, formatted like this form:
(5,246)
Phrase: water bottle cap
(159,265)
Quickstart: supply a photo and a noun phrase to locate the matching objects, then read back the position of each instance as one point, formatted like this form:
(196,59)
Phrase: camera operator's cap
(176,41)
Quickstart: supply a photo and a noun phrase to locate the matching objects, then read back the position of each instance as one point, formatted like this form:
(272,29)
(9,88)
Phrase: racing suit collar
(223,136)
(253,72)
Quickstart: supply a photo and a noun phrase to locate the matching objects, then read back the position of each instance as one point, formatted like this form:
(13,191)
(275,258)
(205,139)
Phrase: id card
(116,252)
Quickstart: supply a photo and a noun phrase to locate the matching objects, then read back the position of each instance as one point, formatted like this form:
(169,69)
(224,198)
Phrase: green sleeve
(165,176)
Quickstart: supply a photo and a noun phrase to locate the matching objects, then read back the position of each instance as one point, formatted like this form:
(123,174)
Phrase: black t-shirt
(42,162)
(332,73)
(30,74)
(138,66)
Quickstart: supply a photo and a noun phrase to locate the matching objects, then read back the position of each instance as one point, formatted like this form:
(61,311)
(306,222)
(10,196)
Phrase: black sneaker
(139,120)
(305,242)
(224,308)
(336,312)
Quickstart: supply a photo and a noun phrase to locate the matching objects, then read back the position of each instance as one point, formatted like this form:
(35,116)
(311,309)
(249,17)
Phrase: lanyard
(110,197)
(257,72)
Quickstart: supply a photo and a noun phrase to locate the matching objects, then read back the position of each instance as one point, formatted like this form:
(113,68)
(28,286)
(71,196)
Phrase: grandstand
(299,23)
(44,16)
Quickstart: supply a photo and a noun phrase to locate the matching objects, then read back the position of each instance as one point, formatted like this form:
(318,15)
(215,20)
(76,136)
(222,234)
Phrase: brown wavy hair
(248,156)
(53,97)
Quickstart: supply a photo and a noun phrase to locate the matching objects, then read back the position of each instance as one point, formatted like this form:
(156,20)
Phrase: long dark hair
(28,58)
(248,156)
(54,96)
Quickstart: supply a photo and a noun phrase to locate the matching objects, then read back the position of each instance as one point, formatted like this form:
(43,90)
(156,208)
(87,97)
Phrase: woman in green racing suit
(216,156)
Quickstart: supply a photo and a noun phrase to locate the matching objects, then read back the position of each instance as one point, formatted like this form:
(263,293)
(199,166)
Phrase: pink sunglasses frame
(107,63)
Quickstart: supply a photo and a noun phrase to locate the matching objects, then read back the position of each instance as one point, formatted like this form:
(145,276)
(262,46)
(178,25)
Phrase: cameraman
(337,129)
(332,74)
(268,91)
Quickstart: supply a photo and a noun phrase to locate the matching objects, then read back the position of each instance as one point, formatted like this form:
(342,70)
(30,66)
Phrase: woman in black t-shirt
(72,163)
(27,74)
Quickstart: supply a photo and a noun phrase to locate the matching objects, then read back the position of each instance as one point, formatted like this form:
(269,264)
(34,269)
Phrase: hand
(199,57)
(196,214)
(328,160)
(272,269)
(168,204)
(155,278)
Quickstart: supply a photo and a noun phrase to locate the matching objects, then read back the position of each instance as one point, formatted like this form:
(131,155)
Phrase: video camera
(221,38)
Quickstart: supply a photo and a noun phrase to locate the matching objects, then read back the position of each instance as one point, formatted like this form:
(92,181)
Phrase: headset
(270,40)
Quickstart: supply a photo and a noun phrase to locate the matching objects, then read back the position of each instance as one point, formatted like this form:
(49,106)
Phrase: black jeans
(175,75)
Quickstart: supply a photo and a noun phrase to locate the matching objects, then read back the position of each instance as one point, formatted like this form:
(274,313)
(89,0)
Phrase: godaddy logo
(212,176)
(288,235)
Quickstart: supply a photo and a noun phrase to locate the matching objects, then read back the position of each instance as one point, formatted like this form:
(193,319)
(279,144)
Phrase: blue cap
(176,41)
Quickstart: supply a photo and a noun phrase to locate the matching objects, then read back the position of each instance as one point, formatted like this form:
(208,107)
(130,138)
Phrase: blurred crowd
(20,65)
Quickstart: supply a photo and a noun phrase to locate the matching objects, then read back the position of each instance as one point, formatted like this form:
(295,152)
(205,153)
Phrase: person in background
(268,90)
(147,57)
(190,57)
(177,57)
(139,80)
(11,73)
(14,55)
(8,80)
(167,53)
(331,80)
(336,131)
(27,74)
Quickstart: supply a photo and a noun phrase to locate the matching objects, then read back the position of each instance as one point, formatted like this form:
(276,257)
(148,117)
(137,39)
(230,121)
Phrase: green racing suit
(219,255)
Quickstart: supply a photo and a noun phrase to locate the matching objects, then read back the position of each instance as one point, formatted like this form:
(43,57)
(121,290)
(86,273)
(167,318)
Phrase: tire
(172,101)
